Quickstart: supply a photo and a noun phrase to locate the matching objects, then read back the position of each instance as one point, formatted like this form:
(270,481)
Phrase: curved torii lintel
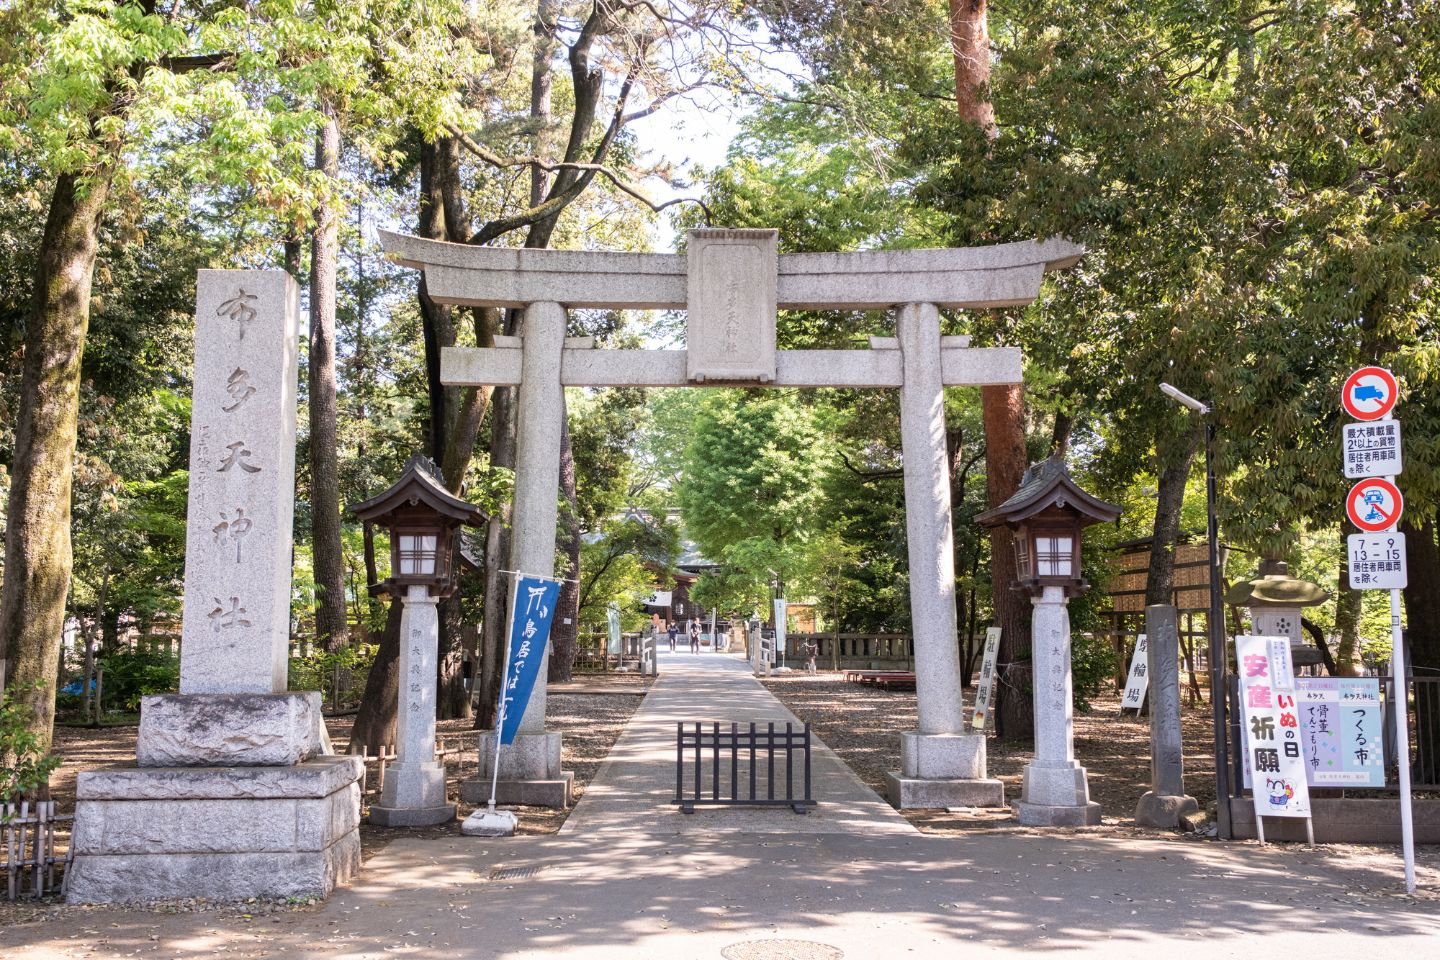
(1002,275)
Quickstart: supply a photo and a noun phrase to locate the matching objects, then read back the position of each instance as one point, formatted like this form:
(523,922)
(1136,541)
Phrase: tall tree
(331,617)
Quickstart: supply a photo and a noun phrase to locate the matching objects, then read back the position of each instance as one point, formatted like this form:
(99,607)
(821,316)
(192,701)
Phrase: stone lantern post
(1276,602)
(424,520)
(1046,515)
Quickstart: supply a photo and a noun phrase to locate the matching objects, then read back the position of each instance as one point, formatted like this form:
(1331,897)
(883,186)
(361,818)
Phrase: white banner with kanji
(1270,727)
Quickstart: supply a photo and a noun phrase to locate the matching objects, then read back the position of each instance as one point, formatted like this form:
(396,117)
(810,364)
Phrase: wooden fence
(32,868)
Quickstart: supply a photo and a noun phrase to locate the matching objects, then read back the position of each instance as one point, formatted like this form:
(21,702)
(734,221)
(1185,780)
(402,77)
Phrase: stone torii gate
(731,283)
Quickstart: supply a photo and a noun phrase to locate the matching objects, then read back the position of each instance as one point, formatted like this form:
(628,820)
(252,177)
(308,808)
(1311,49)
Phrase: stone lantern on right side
(1276,602)
(1046,516)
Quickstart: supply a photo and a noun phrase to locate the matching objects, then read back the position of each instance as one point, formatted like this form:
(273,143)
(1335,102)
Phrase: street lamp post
(1216,615)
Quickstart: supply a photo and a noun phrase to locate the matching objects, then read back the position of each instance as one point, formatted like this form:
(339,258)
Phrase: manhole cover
(513,873)
(782,950)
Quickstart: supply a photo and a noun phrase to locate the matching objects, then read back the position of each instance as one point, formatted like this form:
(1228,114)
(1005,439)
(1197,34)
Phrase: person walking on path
(694,637)
(811,649)
(672,631)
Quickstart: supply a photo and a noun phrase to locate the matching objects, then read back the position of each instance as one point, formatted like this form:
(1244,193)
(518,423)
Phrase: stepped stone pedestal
(530,772)
(216,832)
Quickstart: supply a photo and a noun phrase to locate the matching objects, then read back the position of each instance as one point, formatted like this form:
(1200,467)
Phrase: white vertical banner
(1137,683)
(612,621)
(1270,724)
(780,608)
(985,687)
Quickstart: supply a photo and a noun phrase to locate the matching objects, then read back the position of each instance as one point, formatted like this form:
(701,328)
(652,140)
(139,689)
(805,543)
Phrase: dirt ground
(861,724)
(589,711)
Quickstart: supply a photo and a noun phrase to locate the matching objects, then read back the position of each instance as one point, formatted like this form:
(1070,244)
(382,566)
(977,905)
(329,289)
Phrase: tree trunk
(1347,615)
(1003,408)
(87,699)
(565,633)
(375,720)
(452,700)
(1422,596)
(970,44)
(37,533)
(331,619)
(1175,461)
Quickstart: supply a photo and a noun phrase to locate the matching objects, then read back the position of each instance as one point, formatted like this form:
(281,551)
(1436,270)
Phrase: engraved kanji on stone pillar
(730,328)
(242,483)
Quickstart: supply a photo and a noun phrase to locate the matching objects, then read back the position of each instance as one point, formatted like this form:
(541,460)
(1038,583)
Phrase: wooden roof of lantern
(419,483)
(1045,485)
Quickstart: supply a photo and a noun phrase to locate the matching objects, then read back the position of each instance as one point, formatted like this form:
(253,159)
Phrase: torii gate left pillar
(731,282)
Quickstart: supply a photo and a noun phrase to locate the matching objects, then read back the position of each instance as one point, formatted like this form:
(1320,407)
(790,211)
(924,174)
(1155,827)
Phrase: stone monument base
(1056,796)
(909,793)
(215,832)
(942,770)
(230,730)
(411,816)
(414,796)
(556,794)
(1048,815)
(530,772)
(1163,810)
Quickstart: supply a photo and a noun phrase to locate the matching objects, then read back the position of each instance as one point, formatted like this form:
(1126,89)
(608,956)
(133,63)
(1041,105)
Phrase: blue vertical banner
(532,613)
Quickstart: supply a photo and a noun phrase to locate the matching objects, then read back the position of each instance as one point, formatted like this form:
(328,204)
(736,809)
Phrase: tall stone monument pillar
(1166,801)
(941,765)
(236,793)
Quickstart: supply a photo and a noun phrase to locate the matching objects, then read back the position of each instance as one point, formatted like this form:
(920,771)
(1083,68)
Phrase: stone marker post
(941,764)
(414,792)
(1055,791)
(1166,801)
(235,794)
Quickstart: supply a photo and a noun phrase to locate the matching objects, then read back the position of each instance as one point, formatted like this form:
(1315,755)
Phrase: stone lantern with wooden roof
(1046,515)
(424,521)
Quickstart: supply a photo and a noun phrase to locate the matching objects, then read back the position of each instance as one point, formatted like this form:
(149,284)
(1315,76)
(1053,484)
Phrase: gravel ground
(590,712)
(862,725)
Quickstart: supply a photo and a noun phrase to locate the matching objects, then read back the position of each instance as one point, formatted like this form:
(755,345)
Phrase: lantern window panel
(1022,557)
(1055,556)
(417,555)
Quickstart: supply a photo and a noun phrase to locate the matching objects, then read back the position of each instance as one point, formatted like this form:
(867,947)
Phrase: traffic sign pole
(1402,724)
(1402,737)
(1369,395)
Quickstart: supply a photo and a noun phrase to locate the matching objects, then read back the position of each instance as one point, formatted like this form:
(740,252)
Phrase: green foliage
(24,765)
(132,674)
(752,484)
(620,564)
(320,670)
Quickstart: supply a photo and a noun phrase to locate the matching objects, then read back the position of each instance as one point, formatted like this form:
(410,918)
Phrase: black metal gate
(748,755)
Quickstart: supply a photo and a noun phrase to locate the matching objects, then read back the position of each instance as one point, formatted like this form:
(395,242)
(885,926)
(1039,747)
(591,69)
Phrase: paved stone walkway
(634,788)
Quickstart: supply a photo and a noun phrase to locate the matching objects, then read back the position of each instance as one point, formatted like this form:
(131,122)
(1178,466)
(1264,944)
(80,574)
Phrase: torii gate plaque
(731,283)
